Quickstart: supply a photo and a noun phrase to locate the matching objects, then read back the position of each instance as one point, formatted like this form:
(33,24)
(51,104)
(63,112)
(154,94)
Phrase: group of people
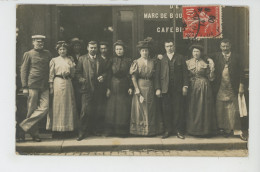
(95,94)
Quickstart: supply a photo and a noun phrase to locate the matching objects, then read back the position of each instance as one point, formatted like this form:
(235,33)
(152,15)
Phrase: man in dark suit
(76,51)
(171,83)
(106,63)
(89,74)
(228,83)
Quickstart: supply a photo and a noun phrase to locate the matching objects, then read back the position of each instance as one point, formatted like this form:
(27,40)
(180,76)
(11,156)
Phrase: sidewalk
(91,144)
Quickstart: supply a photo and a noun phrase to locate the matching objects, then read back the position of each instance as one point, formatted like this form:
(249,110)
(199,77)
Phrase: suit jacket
(85,71)
(74,59)
(180,74)
(235,68)
(106,65)
(74,79)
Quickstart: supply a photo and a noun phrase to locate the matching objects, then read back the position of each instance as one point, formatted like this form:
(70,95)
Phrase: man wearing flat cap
(228,85)
(76,49)
(89,74)
(34,77)
(171,83)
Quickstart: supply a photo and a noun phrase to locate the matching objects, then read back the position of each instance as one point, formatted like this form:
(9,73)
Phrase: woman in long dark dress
(145,120)
(117,117)
(201,119)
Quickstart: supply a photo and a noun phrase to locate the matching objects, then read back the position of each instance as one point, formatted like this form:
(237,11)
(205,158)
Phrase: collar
(77,56)
(227,55)
(38,50)
(92,57)
(144,60)
(194,60)
(170,55)
(104,57)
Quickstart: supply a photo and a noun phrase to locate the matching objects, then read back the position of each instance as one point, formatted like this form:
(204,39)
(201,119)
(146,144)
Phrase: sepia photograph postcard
(120,80)
(160,80)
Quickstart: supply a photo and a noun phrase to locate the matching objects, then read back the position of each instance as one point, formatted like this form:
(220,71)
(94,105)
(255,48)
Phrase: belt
(145,78)
(60,76)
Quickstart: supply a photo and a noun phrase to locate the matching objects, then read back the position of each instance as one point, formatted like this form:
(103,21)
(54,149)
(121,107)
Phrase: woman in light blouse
(62,69)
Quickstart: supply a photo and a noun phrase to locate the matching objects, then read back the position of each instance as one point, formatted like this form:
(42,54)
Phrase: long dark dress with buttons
(117,119)
(201,118)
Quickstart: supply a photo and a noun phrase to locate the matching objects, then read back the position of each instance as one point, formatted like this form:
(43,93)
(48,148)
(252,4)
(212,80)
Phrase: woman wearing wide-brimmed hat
(201,119)
(62,70)
(145,120)
(117,117)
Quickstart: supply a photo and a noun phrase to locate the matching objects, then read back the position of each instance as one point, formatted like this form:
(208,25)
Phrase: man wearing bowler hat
(34,78)
(171,83)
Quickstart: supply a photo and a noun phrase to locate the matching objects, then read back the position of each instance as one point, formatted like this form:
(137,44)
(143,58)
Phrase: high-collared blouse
(145,68)
(60,66)
(199,68)
(120,67)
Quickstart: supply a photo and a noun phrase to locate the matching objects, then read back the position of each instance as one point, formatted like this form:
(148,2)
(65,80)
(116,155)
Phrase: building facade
(127,23)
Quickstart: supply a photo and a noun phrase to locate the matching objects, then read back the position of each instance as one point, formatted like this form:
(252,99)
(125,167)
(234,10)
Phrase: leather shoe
(97,134)
(81,137)
(228,134)
(18,140)
(36,139)
(166,135)
(221,132)
(180,136)
(243,137)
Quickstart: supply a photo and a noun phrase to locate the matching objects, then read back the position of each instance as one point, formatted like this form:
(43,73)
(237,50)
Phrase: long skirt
(117,118)
(64,114)
(201,119)
(144,118)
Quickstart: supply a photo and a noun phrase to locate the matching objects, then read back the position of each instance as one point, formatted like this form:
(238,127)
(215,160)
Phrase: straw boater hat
(38,37)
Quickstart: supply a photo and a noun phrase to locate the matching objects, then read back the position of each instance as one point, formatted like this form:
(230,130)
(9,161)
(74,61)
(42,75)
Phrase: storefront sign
(163,19)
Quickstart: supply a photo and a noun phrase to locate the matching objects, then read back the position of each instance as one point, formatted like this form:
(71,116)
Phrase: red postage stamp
(202,22)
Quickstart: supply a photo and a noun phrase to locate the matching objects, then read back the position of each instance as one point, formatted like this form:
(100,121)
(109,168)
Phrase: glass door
(125,28)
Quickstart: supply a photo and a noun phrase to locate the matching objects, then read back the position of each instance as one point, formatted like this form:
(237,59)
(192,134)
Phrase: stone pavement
(151,152)
(133,145)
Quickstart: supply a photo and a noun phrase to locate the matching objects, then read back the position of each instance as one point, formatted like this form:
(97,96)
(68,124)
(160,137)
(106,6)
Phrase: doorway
(86,23)
(102,23)
(128,27)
